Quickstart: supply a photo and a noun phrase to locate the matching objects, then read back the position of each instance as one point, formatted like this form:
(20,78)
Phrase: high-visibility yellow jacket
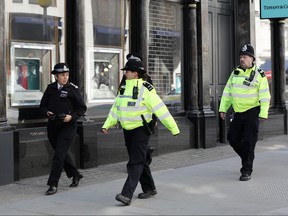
(128,111)
(243,93)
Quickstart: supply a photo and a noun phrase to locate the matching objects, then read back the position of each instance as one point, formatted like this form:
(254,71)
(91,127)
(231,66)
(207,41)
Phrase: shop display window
(108,20)
(102,80)
(35,43)
(30,73)
(103,74)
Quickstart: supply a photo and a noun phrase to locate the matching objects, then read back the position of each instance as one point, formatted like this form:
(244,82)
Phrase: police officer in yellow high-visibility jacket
(136,101)
(247,91)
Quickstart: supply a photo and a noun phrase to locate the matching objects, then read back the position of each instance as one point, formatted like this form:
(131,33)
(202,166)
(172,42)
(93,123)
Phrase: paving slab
(191,182)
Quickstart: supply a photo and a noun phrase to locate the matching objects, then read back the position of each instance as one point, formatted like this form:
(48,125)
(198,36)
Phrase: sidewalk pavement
(190,182)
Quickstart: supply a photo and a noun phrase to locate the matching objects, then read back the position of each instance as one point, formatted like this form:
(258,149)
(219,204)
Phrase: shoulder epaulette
(238,66)
(262,72)
(75,86)
(235,70)
(148,86)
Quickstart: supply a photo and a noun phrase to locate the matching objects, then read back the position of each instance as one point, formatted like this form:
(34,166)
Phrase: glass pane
(108,24)
(102,80)
(105,75)
(36,41)
(27,74)
(164,61)
(286,57)
(30,27)
(263,47)
(30,73)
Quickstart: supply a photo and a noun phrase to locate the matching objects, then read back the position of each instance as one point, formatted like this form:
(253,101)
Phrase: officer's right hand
(104,130)
(222,115)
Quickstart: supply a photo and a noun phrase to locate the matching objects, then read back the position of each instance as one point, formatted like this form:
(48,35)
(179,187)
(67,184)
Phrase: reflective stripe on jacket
(128,111)
(243,95)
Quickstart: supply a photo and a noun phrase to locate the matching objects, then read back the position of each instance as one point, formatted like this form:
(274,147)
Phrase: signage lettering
(273,9)
(40,133)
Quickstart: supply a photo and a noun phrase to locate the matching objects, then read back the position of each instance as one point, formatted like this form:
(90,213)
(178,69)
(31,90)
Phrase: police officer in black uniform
(63,105)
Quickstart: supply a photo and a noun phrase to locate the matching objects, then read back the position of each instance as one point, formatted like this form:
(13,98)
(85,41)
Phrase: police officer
(247,91)
(63,105)
(153,122)
(133,108)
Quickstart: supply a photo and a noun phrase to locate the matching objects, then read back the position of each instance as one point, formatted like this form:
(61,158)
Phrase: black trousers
(243,135)
(138,169)
(60,138)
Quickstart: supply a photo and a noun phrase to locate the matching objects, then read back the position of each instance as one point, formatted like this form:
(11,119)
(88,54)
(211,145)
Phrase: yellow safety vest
(128,111)
(244,91)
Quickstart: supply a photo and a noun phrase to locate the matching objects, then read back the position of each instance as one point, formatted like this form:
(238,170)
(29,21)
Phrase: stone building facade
(189,48)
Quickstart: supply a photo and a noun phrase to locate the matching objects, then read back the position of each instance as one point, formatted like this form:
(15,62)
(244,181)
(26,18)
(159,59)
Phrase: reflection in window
(27,79)
(164,60)
(27,74)
(34,34)
(103,82)
(30,27)
(108,22)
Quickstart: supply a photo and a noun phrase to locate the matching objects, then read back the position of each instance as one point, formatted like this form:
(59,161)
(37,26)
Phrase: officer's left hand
(67,118)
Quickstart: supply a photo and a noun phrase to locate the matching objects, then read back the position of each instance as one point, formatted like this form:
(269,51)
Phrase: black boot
(76,180)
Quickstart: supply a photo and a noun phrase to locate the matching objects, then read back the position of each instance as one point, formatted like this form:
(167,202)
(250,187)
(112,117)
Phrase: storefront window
(29,77)
(286,58)
(105,41)
(107,22)
(164,62)
(263,46)
(31,27)
(36,43)
(103,74)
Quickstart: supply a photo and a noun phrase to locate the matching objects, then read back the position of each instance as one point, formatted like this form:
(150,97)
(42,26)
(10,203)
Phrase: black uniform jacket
(67,100)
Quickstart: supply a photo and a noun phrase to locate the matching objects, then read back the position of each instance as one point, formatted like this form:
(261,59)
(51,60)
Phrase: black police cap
(134,63)
(247,49)
(60,68)
(134,55)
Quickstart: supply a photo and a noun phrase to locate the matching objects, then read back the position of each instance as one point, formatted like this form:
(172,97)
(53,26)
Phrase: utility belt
(253,111)
(150,127)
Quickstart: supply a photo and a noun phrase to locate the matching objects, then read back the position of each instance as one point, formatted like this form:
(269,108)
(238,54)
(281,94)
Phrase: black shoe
(51,190)
(245,177)
(75,180)
(123,199)
(147,194)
